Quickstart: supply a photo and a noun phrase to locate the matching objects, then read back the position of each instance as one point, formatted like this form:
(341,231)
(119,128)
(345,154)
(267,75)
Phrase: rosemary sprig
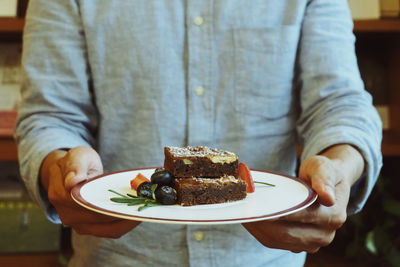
(149,204)
(264,183)
(126,200)
(115,192)
(153,190)
(132,200)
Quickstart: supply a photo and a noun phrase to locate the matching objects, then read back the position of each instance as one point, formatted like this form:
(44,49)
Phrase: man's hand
(62,170)
(331,175)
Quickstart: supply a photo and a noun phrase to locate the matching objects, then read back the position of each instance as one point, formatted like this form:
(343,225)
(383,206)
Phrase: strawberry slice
(140,178)
(244,174)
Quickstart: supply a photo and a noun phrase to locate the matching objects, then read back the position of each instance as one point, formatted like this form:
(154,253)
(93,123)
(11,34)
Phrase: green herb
(126,200)
(148,204)
(132,200)
(153,190)
(115,192)
(264,183)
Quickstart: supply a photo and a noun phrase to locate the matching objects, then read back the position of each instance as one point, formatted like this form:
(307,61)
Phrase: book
(11,186)
(10,76)
(390,8)
(8,8)
(384,114)
(7,123)
(364,9)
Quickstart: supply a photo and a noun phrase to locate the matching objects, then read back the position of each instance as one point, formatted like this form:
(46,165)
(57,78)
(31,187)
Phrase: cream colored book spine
(364,9)
(8,8)
(390,8)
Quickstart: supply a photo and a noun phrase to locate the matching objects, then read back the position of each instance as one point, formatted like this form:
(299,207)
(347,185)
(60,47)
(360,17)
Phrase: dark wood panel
(11,25)
(377,25)
(8,149)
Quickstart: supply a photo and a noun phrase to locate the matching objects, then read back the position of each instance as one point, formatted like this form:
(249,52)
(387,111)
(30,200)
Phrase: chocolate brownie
(199,161)
(195,191)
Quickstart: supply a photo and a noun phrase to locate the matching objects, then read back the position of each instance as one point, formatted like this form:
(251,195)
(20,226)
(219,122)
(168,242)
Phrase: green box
(25,228)
(23,225)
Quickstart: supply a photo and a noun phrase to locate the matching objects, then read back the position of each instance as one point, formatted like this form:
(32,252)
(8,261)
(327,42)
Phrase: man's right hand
(60,171)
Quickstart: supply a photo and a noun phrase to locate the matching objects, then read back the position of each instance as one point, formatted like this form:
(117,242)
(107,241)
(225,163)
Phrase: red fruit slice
(140,178)
(244,174)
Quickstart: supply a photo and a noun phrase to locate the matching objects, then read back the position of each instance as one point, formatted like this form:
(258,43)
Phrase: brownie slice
(195,191)
(199,161)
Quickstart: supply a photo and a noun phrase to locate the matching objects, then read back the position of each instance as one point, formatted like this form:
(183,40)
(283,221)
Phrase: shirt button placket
(199,81)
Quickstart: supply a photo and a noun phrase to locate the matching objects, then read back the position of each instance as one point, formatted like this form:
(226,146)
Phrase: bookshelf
(8,149)
(380,36)
(379,42)
(11,25)
(10,30)
(377,25)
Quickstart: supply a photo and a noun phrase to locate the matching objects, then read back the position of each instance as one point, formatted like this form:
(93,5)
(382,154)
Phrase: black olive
(144,190)
(159,169)
(161,177)
(166,195)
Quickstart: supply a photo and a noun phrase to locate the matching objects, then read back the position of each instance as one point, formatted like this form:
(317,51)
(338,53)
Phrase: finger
(80,164)
(325,190)
(110,230)
(56,191)
(70,212)
(320,173)
(290,236)
(312,214)
(332,217)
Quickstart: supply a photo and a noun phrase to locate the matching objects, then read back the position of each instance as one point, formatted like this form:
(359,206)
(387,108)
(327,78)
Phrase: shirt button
(199,90)
(199,236)
(198,20)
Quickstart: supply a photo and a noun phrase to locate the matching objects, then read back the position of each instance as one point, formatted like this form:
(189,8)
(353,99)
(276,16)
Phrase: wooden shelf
(8,149)
(377,25)
(391,143)
(43,259)
(11,25)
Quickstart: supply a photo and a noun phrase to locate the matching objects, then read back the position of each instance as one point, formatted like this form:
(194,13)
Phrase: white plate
(289,195)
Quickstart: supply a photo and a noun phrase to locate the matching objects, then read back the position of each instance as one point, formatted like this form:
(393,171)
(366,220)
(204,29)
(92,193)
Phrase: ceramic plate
(289,195)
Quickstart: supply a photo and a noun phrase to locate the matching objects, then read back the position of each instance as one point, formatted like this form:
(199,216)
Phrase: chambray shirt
(252,77)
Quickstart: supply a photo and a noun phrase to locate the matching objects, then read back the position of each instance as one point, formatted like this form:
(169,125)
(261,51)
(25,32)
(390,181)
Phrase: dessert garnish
(149,193)
(157,191)
(245,174)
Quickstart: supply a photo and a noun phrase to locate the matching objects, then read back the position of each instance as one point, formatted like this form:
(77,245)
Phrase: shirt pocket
(264,70)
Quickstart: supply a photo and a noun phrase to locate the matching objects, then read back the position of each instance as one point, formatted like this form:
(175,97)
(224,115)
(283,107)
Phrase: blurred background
(369,238)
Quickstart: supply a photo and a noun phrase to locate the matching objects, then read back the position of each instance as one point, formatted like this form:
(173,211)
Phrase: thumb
(319,172)
(79,164)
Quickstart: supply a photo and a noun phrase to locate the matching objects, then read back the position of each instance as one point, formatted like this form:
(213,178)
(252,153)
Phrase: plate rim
(77,197)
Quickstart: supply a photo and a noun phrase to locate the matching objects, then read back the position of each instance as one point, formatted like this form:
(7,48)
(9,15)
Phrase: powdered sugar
(198,151)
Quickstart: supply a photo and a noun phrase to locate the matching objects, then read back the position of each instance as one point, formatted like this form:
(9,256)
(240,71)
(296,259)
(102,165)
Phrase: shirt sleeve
(336,109)
(56,109)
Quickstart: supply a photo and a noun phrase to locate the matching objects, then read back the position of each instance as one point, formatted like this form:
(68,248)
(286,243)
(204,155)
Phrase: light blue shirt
(252,77)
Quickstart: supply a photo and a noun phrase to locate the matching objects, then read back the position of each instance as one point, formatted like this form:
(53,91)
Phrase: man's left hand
(331,175)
